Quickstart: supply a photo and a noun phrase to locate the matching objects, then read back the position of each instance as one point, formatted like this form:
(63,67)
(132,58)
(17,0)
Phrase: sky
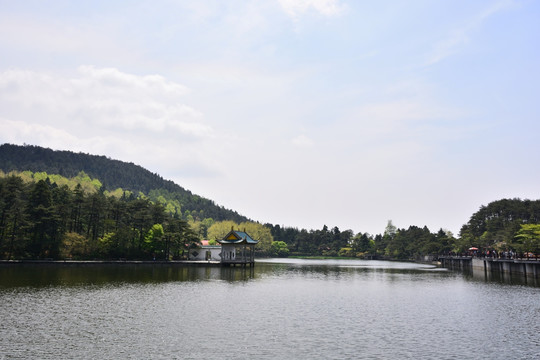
(301,113)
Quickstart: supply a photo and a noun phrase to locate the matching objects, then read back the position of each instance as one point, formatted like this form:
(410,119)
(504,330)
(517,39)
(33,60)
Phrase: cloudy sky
(295,112)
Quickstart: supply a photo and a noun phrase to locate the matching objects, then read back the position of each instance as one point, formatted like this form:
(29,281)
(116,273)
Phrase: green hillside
(113,175)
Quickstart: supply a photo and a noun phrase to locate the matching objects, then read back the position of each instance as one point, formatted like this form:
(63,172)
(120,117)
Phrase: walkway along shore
(485,265)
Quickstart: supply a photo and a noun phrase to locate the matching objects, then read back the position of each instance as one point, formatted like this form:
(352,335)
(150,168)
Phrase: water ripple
(293,311)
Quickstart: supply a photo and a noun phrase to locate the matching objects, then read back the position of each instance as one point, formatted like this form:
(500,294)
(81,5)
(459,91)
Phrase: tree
(179,237)
(73,246)
(141,221)
(63,203)
(205,225)
(362,243)
(94,217)
(279,249)
(76,211)
(258,232)
(221,228)
(44,240)
(304,243)
(390,229)
(42,220)
(496,224)
(528,238)
(13,217)
(346,252)
(442,243)
(382,242)
(154,243)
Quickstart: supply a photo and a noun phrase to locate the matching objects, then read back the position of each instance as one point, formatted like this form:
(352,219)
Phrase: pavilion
(237,247)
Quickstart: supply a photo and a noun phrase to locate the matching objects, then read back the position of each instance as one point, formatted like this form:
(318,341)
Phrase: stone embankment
(529,268)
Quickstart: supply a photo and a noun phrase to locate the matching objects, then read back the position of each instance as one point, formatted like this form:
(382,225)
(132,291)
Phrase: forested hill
(113,174)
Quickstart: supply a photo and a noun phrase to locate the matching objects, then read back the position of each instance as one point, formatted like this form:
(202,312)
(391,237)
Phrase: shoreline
(110,262)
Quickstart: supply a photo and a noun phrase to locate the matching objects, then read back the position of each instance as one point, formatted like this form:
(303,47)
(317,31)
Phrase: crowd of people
(494,254)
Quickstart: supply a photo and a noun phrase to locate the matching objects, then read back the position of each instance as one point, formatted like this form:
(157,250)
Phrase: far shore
(172,262)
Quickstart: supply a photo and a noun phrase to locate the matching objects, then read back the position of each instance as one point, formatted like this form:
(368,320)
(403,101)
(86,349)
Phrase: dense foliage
(113,175)
(507,224)
(410,243)
(42,220)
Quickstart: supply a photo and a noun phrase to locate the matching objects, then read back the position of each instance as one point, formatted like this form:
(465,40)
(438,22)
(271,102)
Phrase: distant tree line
(95,207)
(395,243)
(502,225)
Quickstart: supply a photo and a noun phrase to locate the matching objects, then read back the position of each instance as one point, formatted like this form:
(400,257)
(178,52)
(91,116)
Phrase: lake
(280,309)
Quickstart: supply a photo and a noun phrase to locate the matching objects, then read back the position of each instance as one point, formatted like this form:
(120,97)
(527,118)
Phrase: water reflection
(501,278)
(40,275)
(377,264)
(276,310)
(388,270)
(31,275)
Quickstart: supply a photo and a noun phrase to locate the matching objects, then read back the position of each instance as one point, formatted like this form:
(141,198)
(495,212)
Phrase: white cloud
(302,141)
(106,97)
(33,133)
(135,118)
(295,8)
(115,79)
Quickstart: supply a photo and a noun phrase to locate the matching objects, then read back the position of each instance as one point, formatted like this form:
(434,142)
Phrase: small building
(205,252)
(237,247)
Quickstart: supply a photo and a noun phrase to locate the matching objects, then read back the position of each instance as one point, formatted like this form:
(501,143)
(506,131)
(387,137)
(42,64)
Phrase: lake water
(281,309)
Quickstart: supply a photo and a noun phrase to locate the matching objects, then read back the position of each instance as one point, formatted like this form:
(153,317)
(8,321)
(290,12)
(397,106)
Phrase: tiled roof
(237,237)
(245,235)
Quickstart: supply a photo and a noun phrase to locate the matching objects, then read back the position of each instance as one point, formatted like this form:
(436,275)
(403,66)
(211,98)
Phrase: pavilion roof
(237,237)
